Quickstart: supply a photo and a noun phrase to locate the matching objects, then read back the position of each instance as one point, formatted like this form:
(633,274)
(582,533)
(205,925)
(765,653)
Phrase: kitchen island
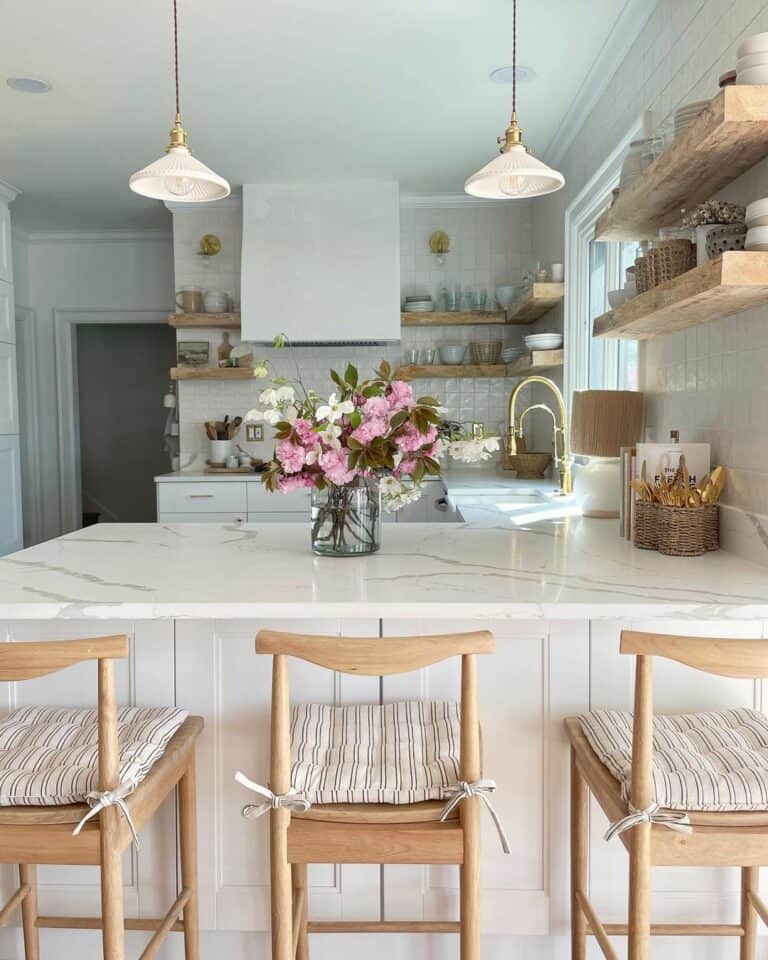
(556,593)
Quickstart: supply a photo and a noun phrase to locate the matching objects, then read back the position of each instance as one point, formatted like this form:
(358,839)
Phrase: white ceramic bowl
(630,288)
(453,352)
(757,213)
(752,60)
(757,239)
(506,295)
(754,76)
(539,342)
(757,43)
(616,298)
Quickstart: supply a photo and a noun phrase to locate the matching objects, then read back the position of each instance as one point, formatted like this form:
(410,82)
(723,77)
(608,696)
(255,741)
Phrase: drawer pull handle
(200,496)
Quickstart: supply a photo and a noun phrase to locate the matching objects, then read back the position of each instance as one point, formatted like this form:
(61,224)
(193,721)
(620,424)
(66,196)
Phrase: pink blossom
(409,439)
(334,465)
(368,429)
(291,456)
(400,395)
(435,450)
(304,431)
(376,407)
(297,482)
(406,467)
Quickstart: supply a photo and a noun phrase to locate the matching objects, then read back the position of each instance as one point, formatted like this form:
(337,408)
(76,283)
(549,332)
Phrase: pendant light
(178,175)
(516,173)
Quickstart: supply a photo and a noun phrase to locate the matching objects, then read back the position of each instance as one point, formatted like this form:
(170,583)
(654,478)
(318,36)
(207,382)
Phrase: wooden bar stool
(370,832)
(97,832)
(685,790)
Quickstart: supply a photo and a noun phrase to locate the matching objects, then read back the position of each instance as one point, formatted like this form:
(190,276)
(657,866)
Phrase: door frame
(25,319)
(65,323)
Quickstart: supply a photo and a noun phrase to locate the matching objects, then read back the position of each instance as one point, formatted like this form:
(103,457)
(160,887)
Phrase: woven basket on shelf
(688,531)
(668,259)
(646,525)
(641,274)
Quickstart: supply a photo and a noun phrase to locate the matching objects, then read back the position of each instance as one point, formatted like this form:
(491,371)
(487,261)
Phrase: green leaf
(337,380)
(350,375)
(418,472)
(428,402)
(354,444)
(399,419)
(355,419)
(279,341)
(432,466)
(385,370)
(373,390)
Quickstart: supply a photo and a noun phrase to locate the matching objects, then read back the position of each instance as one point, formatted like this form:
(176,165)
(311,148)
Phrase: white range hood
(321,262)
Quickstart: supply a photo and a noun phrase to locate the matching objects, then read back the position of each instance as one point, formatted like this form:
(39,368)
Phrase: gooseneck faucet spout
(563,454)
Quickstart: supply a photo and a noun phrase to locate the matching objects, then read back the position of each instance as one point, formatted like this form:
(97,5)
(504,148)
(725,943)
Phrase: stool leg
(112,913)
(188,849)
(749,881)
(640,893)
(28,874)
(299,874)
(579,847)
(281,890)
(469,879)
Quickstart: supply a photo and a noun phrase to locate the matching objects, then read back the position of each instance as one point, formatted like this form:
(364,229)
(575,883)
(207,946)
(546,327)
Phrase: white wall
(490,245)
(89,273)
(708,381)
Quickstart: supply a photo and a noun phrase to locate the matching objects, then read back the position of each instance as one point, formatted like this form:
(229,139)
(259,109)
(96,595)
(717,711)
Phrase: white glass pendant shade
(179,176)
(514,174)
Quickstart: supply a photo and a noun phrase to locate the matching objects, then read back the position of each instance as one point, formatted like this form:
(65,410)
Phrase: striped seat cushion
(701,761)
(397,753)
(49,755)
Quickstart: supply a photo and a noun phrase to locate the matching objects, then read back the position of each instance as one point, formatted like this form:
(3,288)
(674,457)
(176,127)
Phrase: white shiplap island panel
(556,596)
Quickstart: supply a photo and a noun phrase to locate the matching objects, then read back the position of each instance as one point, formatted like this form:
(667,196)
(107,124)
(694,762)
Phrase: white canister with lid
(215,301)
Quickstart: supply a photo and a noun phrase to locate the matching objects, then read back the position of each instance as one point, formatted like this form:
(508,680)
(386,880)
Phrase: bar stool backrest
(371,656)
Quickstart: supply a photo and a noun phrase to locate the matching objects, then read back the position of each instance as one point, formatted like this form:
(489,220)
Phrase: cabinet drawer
(201,518)
(201,497)
(260,500)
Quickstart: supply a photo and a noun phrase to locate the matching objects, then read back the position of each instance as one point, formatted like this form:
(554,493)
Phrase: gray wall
(122,372)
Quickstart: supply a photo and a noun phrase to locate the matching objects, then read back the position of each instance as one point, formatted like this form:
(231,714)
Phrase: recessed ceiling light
(28,84)
(504,74)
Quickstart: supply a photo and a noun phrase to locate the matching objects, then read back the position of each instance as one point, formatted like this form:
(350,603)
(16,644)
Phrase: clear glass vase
(346,521)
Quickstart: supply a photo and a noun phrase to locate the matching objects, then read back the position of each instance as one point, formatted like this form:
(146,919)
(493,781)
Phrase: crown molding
(629,23)
(92,236)
(8,193)
(415,200)
(233,202)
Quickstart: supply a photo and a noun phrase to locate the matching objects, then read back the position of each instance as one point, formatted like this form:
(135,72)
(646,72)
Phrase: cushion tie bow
(101,799)
(478,788)
(672,819)
(266,800)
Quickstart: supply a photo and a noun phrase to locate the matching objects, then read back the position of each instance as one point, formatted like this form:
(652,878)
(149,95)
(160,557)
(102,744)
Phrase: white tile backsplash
(490,245)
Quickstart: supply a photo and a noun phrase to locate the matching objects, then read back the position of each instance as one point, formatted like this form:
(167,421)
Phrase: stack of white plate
(418,304)
(757,225)
(685,116)
(752,63)
(508,354)
(543,341)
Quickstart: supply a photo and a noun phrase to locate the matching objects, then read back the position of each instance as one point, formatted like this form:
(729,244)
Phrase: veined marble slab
(575,568)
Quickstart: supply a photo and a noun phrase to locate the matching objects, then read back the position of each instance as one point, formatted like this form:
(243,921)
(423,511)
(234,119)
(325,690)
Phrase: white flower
(269,397)
(272,417)
(260,371)
(290,413)
(335,409)
(397,494)
(330,434)
(285,395)
(254,416)
(473,451)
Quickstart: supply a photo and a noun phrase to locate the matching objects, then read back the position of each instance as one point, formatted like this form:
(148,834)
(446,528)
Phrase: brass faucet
(562,458)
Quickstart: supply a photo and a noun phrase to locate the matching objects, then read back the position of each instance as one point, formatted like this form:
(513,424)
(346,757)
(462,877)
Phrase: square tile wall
(490,245)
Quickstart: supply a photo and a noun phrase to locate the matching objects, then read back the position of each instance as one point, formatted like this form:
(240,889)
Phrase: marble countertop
(563,569)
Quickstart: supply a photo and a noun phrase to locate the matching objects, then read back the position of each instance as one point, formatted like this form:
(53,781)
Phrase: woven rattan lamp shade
(603,421)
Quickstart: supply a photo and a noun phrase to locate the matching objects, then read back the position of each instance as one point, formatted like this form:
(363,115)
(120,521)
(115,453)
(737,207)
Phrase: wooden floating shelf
(222,321)
(536,302)
(211,373)
(733,282)
(726,138)
(450,318)
(538,360)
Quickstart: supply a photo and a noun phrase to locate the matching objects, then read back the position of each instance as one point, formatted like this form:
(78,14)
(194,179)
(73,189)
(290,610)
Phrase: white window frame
(580,219)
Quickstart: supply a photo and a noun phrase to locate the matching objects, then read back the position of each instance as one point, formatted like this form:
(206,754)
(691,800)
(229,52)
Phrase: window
(593,268)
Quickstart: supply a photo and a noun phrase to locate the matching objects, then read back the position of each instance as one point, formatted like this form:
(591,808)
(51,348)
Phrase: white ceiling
(277,90)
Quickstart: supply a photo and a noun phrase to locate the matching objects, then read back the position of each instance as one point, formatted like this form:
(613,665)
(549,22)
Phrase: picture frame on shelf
(193,353)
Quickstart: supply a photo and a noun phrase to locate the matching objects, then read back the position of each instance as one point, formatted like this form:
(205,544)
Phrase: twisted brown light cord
(514,56)
(176,52)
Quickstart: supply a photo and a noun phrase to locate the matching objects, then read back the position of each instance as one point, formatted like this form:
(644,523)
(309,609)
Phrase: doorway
(121,377)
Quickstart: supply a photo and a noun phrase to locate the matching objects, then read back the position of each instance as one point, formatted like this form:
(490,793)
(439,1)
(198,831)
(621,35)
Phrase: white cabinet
(321,261)
(227,501)
(199,496)
(7,316)
(6,267)
(10,495)
(9,408)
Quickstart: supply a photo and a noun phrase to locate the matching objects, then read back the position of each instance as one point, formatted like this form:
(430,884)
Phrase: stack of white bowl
(508,354)
(685,116)
(757,225)
(421,303)
(752,63)
(543,341)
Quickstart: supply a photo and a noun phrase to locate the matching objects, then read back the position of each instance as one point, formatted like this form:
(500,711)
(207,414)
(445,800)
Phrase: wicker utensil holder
(646,525)
(668,259)
(641,274)
(688,531)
